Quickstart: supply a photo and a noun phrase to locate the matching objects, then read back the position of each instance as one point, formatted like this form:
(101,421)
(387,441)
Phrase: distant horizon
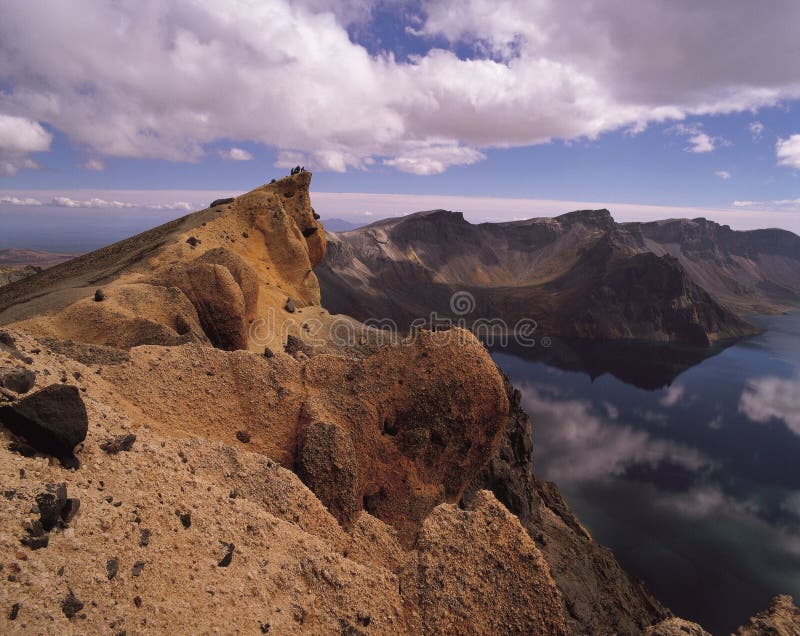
(81,220)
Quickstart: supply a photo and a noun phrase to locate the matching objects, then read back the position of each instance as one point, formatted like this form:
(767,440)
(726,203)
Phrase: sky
(506,108)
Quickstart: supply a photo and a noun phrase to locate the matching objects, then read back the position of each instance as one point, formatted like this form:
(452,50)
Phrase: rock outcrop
(782,618)
(238,458)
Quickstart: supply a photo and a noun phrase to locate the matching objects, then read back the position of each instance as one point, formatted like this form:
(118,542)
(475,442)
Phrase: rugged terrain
(580,275)
(190,442)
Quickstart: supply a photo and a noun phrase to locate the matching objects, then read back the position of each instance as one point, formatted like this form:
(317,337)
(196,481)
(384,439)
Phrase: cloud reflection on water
(772,397)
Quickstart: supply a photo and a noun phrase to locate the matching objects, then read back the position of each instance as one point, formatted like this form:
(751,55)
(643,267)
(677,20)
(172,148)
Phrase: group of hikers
(298,170)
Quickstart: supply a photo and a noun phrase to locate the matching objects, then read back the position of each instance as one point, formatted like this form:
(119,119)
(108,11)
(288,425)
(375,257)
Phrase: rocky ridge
(579,275)
(282,483)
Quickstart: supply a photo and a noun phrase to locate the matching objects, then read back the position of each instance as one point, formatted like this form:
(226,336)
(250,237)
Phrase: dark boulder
(17,379)
(99,296)
(52,420)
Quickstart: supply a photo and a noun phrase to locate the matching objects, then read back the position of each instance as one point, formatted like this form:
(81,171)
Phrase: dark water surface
(687,466)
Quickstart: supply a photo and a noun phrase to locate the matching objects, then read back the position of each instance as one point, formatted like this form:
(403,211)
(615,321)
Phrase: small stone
(186,518)
(12,615)
(264,627)
(144,537)
(137,568)
(71,605)
(193,241)
(225,561)
(35,543)
(99,296)
(290,306)
(268,352)
(245,235)
(137,601)
(112,567)
(118,443)
(243,437)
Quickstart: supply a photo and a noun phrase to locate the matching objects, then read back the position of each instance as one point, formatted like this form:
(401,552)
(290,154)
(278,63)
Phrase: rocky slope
(579,275)
(188,450)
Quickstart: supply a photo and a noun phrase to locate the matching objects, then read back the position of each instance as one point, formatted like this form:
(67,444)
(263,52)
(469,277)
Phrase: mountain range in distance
(579,275)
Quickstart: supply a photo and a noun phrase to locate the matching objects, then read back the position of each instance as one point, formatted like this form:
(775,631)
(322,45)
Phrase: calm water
(688,468)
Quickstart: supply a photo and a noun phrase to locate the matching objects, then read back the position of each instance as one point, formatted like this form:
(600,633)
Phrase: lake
(685,462)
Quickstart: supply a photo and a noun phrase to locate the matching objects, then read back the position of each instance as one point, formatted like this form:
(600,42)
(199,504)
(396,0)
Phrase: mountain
(192,442)
(340,225)
(16,257)
(580,275)
(16,264)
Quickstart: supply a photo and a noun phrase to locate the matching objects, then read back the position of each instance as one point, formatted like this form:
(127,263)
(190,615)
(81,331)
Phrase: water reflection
(772,397)
(642,364)
(688,470)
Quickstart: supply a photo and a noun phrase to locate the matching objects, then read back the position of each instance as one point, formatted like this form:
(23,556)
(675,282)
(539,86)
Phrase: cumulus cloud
(772,397)
(236,154)
(166,79)
(788,151)
(699,141)
(19,137)
(723,174)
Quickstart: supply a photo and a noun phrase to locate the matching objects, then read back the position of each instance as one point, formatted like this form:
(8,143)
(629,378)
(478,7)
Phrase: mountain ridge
(579,275)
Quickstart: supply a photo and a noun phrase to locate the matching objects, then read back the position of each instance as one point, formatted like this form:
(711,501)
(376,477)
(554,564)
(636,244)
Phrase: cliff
(580,275)
(190,441)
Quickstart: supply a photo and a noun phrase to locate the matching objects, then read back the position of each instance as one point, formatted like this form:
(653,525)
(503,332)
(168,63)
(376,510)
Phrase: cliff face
(578,275)
(337,481)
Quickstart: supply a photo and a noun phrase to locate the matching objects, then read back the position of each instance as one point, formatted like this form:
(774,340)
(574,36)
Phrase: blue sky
(671,105)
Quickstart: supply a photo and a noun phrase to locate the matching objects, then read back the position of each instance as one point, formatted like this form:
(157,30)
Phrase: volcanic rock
(53,420)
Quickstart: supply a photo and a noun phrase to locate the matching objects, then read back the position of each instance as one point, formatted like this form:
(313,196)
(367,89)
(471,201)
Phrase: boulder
(52,420)
(17,379)
(217,202)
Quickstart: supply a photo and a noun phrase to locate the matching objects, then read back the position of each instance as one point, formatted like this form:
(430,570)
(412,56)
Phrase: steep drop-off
(231,457)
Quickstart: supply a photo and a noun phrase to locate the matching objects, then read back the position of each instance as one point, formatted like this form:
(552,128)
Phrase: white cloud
(788,151)
(61,201)
(772,397)
(756,129)
(95,165)
(167,79)
(775,204)
(699,141)
(20,136)
(236,154)
(427,160)
(723,174)
(24,201)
